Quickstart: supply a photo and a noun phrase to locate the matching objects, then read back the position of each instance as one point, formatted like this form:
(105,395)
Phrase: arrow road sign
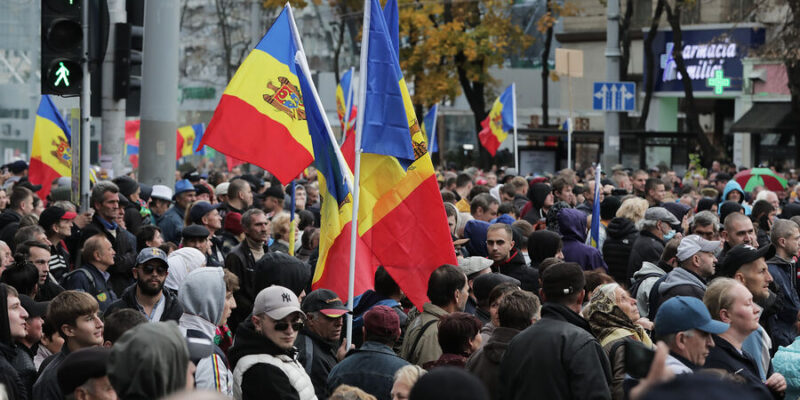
(614,96)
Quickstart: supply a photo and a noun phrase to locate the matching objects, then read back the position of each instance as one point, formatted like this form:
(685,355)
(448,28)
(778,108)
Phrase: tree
(450,47)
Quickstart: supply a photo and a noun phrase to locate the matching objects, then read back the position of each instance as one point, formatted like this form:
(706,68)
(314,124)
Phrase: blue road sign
(614,96)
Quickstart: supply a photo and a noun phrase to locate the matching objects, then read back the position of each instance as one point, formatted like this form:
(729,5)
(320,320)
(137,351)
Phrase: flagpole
(516,143)
(291,221)
(307,73)
(348,103)
(362,96)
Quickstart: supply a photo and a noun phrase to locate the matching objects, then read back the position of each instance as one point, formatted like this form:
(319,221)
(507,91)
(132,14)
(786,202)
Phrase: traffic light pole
(113,133)
(86,116)
(611,132)
(159,106)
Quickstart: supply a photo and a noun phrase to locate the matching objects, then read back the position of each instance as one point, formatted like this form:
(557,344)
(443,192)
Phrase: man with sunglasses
(264,358)
(319,345)
(148,295)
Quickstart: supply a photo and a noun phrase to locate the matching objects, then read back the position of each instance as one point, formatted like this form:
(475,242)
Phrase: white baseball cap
(277,302)
(692,244)
(222,189)
(161,192)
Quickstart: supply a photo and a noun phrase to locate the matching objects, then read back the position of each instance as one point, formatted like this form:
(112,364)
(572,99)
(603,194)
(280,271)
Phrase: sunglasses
(283,325)
(148,269)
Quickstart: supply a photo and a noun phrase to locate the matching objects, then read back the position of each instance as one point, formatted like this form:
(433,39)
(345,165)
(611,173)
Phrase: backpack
(85,273)
(654,298)
(634,289)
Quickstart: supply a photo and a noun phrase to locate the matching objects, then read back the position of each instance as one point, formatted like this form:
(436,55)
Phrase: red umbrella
(750,178)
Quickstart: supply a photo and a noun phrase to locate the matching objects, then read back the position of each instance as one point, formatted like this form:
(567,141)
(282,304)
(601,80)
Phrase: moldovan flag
(429,129)
(331,271)
(261,118)
(51,154)
(189,138)
(401,216)
(499,122)
(595,231)
(344,97)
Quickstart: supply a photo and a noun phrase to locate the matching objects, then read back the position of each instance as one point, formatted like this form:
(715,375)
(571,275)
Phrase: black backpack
(654,298)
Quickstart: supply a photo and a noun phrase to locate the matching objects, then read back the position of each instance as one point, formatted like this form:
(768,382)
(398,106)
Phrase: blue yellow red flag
(401,216)
(429,129)
(345,96)
(261,118)
(188,139)
(499,122)
(595,231)
(51,154)
(392,16)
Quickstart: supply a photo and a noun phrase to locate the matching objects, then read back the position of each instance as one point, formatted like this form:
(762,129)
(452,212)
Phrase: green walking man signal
(62,74)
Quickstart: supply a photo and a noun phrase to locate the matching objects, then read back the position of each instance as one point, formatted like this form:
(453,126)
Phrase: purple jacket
(572,224)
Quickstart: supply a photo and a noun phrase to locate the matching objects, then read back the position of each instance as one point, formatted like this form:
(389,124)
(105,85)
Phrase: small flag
(51,154)
(499,122)
(429,128)
(595,232)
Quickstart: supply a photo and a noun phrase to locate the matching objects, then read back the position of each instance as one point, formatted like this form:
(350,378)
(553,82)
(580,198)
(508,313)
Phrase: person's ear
(68,330)
(581,296)
(107,344)
(724,316)
(541,292)
(739,277)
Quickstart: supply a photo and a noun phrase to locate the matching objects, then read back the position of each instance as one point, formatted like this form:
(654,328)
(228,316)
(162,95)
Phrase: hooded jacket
(572,225)
(647,247)
(202,294)
(181,263)
(172,307)
(555,358)
(643,292)
(475,230)
(681,282)
(621,233)
(149,361)
(537,193)
(731,186)
(485,362)
(277,376)
(9,377)
(782,323)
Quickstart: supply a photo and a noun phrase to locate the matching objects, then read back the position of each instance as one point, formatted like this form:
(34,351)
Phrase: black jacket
(9,225)
(516,267)
(9,376)
(621,233)
(172,307)
(555,358)
(725,357)
(323,359)
(261,381)
(647,247)
(241,262)
(125,258)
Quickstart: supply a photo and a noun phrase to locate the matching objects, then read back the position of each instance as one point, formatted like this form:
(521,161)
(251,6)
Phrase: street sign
(614,96)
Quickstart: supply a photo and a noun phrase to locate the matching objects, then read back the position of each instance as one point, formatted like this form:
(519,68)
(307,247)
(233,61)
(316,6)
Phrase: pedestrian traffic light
(62,47)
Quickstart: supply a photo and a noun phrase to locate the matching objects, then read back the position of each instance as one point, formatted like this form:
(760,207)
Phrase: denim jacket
(371,368)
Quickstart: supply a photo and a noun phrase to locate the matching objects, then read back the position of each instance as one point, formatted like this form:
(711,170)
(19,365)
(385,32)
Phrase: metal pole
(86,116)
(159,109)
(611,132)
(516,143)
(362,98)
(570,123)
(113,134)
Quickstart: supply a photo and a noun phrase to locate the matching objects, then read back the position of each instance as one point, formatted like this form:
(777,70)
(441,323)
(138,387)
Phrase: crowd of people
(203,291)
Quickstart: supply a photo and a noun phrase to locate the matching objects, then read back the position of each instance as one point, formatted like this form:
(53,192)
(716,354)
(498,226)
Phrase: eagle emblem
(286,98)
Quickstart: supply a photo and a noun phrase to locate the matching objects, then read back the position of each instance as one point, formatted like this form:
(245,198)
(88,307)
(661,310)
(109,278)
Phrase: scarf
(608,321)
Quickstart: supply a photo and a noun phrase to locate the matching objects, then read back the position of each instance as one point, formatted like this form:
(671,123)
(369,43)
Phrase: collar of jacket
(564,313)
(647,233)
(434,310)
(326,344)
(684,361)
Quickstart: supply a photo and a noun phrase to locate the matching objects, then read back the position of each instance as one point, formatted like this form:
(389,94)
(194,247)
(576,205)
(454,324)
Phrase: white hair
(762,195)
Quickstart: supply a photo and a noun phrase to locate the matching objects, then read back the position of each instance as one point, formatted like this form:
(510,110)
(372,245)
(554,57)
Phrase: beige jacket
(428,346)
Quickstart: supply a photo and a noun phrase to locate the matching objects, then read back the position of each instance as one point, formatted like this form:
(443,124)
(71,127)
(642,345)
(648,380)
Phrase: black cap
(34,308)
(199,189)
(127,186)
(24,182)
(742,254)
(274,191)
(192,175)
(324,301)
(51,215)
(80,366)
(195,231)
(563,279)
(483,284)
(17,166)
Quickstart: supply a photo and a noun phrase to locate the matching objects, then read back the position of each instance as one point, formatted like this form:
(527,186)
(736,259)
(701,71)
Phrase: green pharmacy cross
(718,82)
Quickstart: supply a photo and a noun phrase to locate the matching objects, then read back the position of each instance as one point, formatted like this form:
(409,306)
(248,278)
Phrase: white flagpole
(362,96)
(301,59)
(348,103)
(516,143)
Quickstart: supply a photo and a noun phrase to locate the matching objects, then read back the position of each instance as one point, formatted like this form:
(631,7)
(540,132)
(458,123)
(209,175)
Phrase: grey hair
(100,189)
(782,228)
(647,224)
(704,218)
(247,217)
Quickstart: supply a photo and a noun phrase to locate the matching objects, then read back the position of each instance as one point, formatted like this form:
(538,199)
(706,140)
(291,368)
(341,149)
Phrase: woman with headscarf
(614,319)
